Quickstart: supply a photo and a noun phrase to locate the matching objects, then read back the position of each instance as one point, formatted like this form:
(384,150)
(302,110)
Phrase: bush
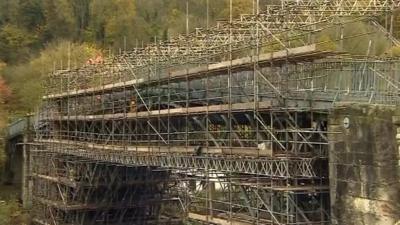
(12,213)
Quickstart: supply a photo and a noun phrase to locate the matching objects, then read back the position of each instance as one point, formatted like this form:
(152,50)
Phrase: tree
(25,80)
(111,21)
(15,43)
(30,15)
(238,7)
(60,20)
(81,13)
(5,91)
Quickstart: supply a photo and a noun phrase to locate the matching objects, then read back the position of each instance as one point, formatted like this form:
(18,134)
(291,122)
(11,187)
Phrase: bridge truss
(231,121)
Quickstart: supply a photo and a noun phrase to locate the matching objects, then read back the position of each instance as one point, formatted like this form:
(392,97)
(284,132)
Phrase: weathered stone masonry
(364,164)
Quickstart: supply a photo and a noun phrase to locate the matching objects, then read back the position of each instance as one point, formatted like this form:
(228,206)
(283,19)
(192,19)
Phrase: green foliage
(26,79)
(326,43)
(111,20)
(359,38)
(3,120)
(11,213)
(15,43)
(112,24)
(238,7)
(28,26)
(31,30)
(60,20)
(33,15)
(393,52)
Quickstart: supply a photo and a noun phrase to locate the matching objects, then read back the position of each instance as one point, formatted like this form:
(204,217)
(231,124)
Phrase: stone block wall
(364,164)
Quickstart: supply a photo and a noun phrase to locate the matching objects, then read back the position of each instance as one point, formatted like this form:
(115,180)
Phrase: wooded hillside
(34,34)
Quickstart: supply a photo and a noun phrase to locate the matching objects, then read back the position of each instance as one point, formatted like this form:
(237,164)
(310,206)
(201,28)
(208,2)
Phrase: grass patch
(11,212)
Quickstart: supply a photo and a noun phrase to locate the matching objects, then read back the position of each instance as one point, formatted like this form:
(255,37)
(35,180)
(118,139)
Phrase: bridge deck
(305,53)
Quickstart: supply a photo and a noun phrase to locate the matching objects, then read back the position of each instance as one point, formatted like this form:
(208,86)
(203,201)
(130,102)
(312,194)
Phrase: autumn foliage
(5,91)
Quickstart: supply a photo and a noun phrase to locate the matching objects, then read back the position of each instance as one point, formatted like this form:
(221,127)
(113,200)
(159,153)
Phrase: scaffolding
(225,125)
(74,190)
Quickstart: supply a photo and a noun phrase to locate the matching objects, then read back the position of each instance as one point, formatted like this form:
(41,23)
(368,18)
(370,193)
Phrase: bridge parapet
(20,126)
